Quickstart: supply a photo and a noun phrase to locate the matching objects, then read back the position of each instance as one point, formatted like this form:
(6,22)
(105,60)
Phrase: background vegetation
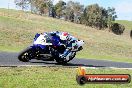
(91,15)
(17,30)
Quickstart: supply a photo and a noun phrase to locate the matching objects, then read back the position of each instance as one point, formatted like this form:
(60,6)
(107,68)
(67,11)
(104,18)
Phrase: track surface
(10,59)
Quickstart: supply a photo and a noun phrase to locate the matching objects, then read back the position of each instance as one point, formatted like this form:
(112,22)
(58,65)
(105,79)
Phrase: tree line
(91,15)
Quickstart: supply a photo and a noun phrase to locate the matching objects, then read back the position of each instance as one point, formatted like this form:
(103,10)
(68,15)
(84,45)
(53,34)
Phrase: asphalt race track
(10,59)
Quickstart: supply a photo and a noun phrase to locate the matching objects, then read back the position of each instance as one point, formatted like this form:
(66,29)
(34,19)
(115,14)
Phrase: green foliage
(98,17)
(111,16)
(131,33)
(93,15)
(41,6)
(73,11)
(117,28)
(23,4)
(59,8)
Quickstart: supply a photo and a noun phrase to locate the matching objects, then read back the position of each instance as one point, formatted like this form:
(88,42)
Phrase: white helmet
(64,36)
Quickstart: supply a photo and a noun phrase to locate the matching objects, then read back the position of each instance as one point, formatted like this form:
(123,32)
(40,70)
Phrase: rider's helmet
(64,36)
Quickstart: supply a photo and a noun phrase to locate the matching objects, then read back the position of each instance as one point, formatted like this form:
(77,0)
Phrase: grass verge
(52,77)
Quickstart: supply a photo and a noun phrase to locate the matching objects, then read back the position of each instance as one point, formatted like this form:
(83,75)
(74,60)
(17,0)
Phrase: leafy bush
(117,28)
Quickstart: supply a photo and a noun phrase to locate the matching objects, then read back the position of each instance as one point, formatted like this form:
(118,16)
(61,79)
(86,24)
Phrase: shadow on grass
(72,64)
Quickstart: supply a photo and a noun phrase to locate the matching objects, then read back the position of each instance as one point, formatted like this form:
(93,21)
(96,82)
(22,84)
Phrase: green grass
(127,24)
(52,77)
(17,30)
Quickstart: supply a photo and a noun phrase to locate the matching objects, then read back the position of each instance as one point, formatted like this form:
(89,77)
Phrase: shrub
(117,28)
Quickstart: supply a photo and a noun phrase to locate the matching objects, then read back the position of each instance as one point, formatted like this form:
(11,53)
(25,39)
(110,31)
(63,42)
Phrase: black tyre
(81,80)
(25,55)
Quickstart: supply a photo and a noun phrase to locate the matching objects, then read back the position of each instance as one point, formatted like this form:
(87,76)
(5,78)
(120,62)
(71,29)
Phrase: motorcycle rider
(71,43)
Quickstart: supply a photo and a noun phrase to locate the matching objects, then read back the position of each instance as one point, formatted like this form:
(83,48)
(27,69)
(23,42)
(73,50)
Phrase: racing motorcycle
(46,47)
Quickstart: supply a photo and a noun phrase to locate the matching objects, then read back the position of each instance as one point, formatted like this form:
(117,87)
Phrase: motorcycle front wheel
(26,54)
